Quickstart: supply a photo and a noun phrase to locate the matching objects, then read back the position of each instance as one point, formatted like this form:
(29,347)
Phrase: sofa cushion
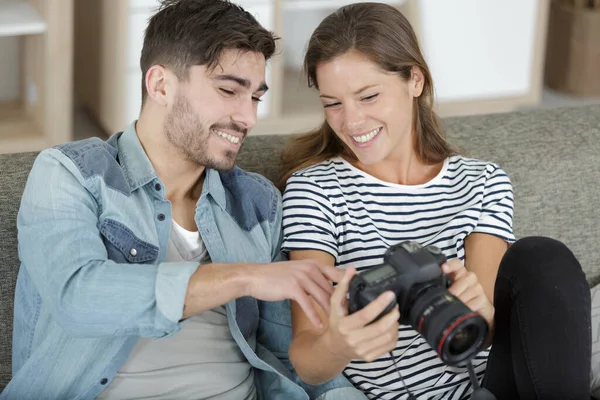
(14,169)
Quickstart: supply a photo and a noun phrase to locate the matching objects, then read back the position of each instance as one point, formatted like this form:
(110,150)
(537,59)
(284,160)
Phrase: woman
(378,172)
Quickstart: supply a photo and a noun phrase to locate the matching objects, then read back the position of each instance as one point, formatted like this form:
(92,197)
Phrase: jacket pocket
(124,247)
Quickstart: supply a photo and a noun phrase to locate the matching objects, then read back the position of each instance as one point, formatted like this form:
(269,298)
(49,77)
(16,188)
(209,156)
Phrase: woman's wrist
(331,343)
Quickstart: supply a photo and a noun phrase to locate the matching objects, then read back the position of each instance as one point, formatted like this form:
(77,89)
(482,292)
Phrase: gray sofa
(552,157)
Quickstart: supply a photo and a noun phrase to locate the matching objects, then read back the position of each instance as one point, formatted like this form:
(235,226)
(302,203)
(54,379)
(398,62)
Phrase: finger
(454,269)
(315,273)
(457,288)
(369,313)
(338,300)
(477,304)
(372,333)
(308,307)
(322,297)
(381,345)
(332,273)
(463,283)
(469,295)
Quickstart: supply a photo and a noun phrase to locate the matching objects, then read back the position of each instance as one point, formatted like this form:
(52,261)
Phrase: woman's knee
(540,258)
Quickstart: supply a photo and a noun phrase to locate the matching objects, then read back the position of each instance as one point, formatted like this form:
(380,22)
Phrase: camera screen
(381,272)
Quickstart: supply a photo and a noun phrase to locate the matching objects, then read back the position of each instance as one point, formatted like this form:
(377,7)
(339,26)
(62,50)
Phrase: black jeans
(542,344)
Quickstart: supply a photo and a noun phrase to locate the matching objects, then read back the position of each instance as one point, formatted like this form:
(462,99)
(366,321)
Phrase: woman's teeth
(366,137)
(232,139)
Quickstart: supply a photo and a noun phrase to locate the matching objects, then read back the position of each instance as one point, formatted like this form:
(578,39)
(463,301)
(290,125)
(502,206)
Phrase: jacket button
(133,252)
(161,217)
(103,381)
(157,187)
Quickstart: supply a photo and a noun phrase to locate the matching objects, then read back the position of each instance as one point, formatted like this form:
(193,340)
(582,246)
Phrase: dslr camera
(414,274)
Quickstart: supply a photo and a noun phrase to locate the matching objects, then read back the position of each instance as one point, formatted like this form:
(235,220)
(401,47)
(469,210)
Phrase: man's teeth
(366,137)
(232,139)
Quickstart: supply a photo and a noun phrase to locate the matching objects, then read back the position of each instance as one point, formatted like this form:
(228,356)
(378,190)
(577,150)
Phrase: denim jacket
(93,229)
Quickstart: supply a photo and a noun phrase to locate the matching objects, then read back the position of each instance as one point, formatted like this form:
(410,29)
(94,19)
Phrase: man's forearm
(213,285)
(313,359)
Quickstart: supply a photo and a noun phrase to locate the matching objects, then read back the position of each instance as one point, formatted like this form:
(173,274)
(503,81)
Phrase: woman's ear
(417,82)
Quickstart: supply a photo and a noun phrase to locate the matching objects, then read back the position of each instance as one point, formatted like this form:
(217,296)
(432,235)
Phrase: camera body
(414,274)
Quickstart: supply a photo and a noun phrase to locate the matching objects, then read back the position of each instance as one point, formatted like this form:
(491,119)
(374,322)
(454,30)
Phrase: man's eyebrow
(241,81)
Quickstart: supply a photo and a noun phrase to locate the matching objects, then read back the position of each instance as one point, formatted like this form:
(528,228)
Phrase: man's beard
(186,132)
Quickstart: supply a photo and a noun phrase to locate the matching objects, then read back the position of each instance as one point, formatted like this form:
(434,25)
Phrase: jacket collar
(139,171)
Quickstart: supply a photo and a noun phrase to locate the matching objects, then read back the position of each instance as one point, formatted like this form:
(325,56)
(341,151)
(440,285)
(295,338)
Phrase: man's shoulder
(247,190)
(88,158)
(259,184)
(81,150)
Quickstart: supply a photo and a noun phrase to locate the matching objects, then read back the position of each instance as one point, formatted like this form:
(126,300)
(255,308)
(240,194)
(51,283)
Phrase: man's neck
(182,178)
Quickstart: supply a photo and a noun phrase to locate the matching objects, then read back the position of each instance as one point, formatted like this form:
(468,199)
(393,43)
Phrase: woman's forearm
(314,359)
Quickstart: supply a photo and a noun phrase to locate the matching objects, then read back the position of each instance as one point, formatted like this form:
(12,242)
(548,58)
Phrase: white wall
(476,49)
(479,48)
(301,18)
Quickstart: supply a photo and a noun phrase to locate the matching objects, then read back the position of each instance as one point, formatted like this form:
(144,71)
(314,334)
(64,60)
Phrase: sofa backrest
(551,157)
(14,169)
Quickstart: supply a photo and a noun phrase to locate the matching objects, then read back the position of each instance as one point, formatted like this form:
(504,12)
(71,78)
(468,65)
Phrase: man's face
(213,111)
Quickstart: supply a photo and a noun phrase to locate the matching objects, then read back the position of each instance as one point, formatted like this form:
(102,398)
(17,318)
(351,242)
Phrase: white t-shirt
(201,361)
(339,209)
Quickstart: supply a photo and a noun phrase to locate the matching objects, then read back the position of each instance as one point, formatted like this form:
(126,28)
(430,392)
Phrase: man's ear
(416,82)
(160,85)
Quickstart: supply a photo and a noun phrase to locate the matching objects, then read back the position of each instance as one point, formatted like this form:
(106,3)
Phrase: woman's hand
(354,336)
(465,285)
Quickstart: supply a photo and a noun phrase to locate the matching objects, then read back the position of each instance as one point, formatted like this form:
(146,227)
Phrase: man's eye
(256,99)
(227,91)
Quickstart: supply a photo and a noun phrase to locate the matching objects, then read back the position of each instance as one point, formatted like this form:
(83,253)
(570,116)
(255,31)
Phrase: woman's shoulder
(324,169)
(462,165)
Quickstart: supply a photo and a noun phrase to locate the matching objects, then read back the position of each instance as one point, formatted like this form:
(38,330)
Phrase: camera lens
(463,340)
(455,332)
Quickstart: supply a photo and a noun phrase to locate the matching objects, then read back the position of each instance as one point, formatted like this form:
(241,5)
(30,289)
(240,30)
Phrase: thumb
(338,298)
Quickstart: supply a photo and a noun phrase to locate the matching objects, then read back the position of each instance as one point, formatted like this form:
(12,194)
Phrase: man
(154,234)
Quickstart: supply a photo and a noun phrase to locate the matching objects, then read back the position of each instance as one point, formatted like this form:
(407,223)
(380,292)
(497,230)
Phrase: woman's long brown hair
(382,34)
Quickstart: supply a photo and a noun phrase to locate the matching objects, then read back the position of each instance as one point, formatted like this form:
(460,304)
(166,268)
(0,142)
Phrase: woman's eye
(371,97)
(227,91)
(330,105)
(256,99)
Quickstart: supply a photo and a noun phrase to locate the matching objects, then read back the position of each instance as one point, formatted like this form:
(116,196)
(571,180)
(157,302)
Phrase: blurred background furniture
(573,56)
(486,56)
(36,70)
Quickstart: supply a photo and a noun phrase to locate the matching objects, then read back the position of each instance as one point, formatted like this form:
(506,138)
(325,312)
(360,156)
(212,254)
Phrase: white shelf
(18,17)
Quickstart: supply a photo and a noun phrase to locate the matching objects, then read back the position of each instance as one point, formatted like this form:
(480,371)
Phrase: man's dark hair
(184,33)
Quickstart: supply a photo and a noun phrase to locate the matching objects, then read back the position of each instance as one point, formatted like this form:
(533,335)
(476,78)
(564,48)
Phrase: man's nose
(245,115)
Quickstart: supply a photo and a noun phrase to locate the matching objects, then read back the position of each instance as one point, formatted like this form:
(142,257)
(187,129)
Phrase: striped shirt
(339,209)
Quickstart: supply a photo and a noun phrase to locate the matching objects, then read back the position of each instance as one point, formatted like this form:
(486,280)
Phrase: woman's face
(369,109)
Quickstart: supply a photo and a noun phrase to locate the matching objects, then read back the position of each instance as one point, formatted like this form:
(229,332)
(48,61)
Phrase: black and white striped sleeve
(308,217)
(496,216)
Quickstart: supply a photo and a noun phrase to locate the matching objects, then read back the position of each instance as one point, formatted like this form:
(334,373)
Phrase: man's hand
(465,285)
(294,280)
